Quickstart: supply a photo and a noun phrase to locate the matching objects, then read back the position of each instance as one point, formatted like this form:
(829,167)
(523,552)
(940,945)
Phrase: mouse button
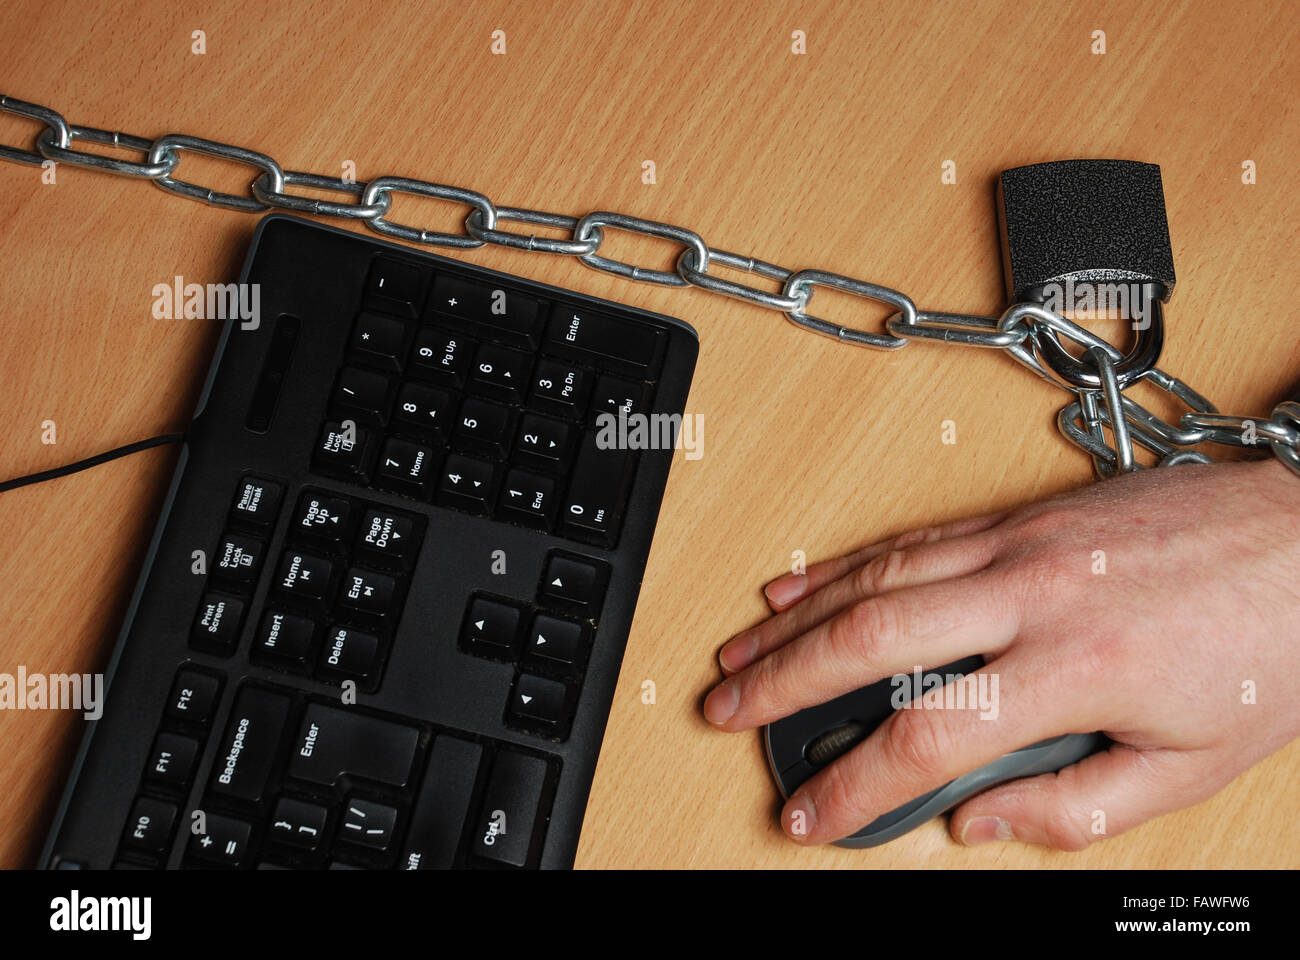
(793,777)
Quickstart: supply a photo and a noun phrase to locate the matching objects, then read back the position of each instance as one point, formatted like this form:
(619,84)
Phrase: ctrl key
(503,831)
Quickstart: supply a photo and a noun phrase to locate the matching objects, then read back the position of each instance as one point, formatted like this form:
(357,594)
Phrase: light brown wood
(831,159)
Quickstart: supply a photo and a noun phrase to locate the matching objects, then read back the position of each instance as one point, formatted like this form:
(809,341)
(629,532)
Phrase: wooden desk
(831,159)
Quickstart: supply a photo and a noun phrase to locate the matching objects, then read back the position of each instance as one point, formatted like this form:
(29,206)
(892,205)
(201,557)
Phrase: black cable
(89,462)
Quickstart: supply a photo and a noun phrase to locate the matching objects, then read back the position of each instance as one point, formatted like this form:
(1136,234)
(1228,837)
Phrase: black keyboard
(382,616)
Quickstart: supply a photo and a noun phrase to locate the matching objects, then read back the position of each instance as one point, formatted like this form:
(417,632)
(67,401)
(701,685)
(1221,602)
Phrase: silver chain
(1025,331)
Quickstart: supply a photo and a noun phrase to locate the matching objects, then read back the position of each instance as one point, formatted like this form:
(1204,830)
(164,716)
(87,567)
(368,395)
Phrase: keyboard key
(528,498)
(500,371)
(172,761)
(491,628)
(297,823)
(286,637)
(424,409)
(225,844)
(397,285)
(573,581)
(387,538)
(438,819)
(149,828)
(368,824)
(502,311)
(238,559)
(257,501)
(406,467)
(482,427)
(216,628)
(323,518)
(362,395)
(556,642)
(621,398)
(503,830)
(442,356)
(248,751)
(349,654)
(594,504)
(338,742)
(367,592)
(538,703)
(636,345)
(344,452)
(560,388)
(193,698)
(304,576)
(466,483)
(380,340)
(543,440)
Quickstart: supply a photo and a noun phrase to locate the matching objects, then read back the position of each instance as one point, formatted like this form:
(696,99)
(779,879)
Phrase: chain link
(1029,332)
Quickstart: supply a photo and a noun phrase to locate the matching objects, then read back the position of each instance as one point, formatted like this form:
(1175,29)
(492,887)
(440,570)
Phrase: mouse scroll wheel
(835,742)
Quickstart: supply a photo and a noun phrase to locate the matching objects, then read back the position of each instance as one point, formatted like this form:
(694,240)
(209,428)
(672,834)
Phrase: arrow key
(576,581)
(491,629)
(538,704)
(556,642)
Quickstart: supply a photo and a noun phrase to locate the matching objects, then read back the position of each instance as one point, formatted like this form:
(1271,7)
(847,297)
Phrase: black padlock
(1100,223)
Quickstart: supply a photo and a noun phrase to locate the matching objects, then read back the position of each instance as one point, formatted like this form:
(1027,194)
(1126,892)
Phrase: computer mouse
(803,743)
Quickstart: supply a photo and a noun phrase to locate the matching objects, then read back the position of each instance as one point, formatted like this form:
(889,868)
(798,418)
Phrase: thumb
(1100,796)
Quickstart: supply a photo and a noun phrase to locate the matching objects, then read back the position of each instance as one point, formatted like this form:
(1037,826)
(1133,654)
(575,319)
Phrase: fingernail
(798,817)
(786,589)
(721,704)
(738,653)
(986,830)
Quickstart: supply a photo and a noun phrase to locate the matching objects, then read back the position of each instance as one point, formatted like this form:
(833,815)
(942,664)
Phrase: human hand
(1178,652)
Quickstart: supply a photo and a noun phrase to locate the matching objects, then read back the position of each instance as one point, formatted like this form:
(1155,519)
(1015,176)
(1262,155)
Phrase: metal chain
(1029,332)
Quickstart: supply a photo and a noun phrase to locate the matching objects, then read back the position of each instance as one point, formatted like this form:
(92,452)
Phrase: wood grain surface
(830,159)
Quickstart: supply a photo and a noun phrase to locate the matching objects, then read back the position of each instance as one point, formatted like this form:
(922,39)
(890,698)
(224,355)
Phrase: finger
(787,590)
(920,749)
(1100,796)
(893,569)
(931,625)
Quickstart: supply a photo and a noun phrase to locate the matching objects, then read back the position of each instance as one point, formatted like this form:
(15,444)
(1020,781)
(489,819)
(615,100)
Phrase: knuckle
(763,686)
(1045,521)
(1066,824)
(839,793)
(917,742)
(1052,570)
(864,632)
(1063,830)
(876,576)
(914,538)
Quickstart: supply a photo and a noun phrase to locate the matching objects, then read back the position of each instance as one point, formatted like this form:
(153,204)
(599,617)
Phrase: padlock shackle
(1130,368)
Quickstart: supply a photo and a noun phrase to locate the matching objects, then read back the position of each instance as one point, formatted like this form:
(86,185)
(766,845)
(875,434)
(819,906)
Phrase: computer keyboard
(382,616)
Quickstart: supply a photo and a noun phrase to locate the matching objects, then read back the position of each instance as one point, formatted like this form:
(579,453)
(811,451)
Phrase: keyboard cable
(89,462)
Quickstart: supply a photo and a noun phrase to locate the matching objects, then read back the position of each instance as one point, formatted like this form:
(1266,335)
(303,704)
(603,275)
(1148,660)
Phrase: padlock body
(1083,221)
